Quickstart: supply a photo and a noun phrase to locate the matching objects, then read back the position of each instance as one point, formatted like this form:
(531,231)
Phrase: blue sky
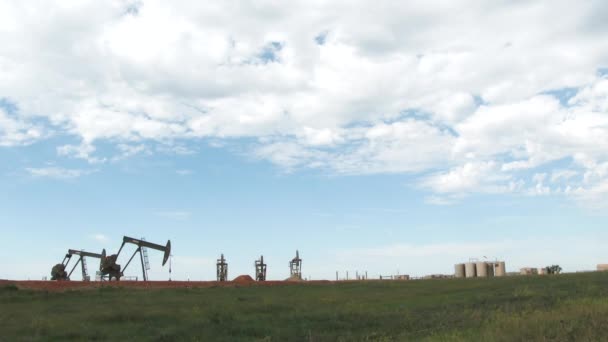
(227,204)
(373,144)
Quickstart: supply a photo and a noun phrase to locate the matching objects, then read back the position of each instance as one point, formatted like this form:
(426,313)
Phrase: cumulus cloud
(82,151)
(468,177)
(15,132)
(349,88)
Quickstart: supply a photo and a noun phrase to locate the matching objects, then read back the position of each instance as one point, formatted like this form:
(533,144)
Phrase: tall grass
(564,307)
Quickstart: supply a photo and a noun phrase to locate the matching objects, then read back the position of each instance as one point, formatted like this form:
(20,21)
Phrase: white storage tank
(500,269)
(490,267)
(482,269)
(459,271)
(469,270)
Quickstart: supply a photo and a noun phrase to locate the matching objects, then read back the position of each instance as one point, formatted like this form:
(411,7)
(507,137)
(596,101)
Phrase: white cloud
(319,137)
(405,146)
(454,107)
(14,132)
(386,96)
(539,186)
(100,238)
(290,155)
(175,149)
(472,177)
(184,172)
(58,172)
(510,128)
(127,151)
(174,214)
(82,151)
(439,200)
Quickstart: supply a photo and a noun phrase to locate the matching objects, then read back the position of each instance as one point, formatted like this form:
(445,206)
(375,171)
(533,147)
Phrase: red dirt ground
(77,285)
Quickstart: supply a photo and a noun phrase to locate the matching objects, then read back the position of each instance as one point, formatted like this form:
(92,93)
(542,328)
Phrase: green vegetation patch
(558,307)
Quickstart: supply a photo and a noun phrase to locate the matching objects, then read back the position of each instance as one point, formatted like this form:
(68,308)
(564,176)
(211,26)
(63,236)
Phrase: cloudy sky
(386,136)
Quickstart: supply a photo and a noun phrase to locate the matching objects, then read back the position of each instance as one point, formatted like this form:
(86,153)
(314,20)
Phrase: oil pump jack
(59,273)
(113,270)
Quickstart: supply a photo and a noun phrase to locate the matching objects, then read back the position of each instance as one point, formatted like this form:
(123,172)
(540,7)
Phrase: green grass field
(566,308)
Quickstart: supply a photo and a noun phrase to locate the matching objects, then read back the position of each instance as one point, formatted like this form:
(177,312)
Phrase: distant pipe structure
(295,267)
(222,269)
(260,269)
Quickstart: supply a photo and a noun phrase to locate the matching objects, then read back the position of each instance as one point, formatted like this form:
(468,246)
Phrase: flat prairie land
(567,307)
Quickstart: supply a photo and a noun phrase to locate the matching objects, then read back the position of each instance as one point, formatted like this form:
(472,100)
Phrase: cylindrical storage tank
(482,269)
(542,271)
(459,271)
(490,267)
(500,269)
(602,267)
(469,270)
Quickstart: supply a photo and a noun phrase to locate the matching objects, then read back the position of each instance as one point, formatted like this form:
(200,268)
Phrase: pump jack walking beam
(66,259)
(141,244)
(81,255)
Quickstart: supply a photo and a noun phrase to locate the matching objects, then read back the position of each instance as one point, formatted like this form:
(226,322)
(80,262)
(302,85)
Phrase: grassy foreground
(565,308)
